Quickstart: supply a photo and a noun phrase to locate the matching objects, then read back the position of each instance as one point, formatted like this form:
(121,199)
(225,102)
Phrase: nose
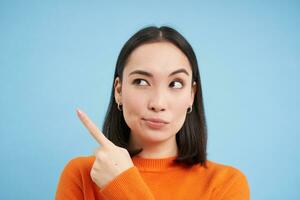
(157,101)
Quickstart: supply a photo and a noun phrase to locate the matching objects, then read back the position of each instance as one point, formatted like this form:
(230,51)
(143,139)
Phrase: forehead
(157,58)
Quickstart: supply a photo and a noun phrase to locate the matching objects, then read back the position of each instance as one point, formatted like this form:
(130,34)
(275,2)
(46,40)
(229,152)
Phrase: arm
(113,170)
(128,185)
(69,185)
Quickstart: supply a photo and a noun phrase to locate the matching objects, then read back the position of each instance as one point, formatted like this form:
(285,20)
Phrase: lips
(155,123)
(156,120)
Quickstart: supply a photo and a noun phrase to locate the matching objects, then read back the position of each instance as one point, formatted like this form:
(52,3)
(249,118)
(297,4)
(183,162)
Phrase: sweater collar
(154,164)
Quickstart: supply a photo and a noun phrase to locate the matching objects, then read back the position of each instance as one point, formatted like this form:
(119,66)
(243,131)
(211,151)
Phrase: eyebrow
(141,72)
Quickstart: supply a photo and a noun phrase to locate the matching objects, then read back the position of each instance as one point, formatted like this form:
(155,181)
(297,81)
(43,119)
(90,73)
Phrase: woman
(155,131)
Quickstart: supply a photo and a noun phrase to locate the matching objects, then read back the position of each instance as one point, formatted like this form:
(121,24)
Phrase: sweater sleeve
(235,188)
(127,185)
(69,185)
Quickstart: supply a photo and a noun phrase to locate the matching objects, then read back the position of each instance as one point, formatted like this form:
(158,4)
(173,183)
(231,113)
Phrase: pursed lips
(156,120)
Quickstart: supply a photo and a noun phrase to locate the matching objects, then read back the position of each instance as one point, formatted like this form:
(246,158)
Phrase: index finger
(93,129)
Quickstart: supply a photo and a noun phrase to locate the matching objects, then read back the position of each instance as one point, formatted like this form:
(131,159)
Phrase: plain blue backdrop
(56,56)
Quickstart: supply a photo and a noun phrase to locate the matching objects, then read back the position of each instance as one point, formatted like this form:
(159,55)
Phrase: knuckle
(101,156)
(96,150)
(99,153)
(124,151)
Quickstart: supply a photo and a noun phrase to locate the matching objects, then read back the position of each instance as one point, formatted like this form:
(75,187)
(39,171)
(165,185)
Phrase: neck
(163,149)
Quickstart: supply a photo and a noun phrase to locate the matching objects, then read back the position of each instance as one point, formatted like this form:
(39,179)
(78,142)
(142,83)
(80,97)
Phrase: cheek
(180,103)
(179,111)
(132,108)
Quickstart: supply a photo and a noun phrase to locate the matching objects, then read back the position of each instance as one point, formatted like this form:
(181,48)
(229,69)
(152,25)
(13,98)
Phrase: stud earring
(190,109)
(119,108)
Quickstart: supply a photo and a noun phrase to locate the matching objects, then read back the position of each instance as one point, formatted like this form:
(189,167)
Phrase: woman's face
(156,85)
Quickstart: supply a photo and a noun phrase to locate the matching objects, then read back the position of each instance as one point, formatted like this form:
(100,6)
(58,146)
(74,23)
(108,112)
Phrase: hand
(111,160)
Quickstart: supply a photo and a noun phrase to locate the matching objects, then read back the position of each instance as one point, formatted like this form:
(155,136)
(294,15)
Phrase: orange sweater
(154,179)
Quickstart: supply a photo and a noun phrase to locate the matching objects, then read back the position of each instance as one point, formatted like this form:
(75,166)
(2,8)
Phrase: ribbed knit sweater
(151,179)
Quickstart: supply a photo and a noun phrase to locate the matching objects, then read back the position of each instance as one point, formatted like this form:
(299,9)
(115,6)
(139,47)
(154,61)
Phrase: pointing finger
(93,129)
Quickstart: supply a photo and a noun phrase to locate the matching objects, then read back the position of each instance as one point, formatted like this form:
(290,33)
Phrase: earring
(190,109)
(120,109)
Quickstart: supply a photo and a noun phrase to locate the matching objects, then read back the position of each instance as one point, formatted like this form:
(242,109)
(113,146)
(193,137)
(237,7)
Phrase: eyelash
(135,82)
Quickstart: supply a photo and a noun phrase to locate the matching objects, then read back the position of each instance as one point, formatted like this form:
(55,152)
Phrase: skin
(161,95)
(155,96)
(110,161)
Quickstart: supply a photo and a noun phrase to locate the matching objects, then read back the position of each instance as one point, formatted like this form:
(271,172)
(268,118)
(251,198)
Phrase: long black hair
(191,139)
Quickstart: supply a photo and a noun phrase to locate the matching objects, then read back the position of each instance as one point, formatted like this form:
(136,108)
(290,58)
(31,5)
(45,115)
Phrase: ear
(118,90)
(194,90)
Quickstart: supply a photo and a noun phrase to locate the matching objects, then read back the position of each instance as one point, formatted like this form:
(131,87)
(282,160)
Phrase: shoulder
(219,168)
(74,177)
(79,164)
(223,172)
(227,179)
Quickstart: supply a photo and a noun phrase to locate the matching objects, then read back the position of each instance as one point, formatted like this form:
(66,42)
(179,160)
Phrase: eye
(139,81)
(177,84)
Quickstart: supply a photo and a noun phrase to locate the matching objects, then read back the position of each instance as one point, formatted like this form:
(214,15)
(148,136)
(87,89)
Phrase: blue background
(56,56)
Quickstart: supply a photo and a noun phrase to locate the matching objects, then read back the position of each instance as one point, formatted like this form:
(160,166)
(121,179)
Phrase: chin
(155,136)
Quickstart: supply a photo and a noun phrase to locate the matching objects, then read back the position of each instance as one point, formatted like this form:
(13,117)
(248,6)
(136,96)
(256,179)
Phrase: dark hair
(191,139)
